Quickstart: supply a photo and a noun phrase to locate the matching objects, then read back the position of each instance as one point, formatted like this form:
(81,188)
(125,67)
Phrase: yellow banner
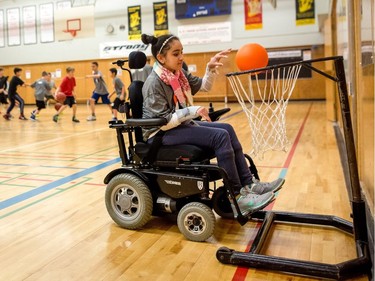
(253,14)
(160,18)
(134,22)
(305,12)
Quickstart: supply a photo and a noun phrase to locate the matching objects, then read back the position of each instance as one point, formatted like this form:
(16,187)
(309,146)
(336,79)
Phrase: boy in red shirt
(67,87)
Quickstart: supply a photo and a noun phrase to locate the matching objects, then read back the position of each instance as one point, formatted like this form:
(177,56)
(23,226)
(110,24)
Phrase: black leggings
(13,99)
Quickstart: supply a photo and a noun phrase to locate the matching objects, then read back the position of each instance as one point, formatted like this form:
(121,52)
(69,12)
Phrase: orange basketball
(60,97)
(251,56)
(58,106)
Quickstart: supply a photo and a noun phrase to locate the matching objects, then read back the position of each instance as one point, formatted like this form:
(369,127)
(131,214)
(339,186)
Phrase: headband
(165,42)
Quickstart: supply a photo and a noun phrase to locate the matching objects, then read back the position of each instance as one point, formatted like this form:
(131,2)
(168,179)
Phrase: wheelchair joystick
(211,108)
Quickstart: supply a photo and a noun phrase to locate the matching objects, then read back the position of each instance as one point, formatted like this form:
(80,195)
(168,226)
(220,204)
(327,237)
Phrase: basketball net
(264,100)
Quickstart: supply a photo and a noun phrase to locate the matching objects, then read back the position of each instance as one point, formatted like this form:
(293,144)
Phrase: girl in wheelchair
(168,93)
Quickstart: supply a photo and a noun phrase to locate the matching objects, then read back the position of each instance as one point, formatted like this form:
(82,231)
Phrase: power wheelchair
(157,179)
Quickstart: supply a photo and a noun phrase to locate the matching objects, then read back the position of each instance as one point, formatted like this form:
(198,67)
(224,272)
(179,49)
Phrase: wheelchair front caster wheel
(196,221)
(128,201)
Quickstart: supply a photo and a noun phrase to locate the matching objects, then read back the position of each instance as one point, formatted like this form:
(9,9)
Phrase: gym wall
(279,30)
(220,92)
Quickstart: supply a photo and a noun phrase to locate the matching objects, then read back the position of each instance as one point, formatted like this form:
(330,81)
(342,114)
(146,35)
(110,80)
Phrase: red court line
(296,141)
(241,272)
(92,158)
(270,167)
(96,184)
(88,183)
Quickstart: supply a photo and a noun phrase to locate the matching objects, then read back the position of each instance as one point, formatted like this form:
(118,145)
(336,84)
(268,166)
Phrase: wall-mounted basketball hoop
(72,26)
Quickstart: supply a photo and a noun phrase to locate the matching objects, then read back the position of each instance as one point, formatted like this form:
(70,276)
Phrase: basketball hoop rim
(271,67)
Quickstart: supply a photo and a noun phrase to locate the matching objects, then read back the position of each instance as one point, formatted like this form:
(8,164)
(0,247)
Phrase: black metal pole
(358,204)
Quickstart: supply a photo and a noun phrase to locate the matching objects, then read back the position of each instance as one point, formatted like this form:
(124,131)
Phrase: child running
(42,89)
(67,87)
(100,91)
(119,89)
(3,87)
(13,96)
(53,87)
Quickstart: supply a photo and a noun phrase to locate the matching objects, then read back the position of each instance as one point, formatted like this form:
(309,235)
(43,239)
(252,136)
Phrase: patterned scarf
(178,82)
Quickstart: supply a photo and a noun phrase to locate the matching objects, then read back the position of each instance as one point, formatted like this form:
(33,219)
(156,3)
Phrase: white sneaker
(91,118)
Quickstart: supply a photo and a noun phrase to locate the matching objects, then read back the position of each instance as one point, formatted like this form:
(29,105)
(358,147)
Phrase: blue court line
(58,191)
(27,195)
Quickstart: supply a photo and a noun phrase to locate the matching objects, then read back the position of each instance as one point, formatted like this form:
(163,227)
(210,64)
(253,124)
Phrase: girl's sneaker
(252,202)
(259,187)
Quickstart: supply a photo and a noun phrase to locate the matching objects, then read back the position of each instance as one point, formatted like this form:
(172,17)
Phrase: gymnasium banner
(160,18)
(253,14)
(305,12)
(121,49)
(134,22)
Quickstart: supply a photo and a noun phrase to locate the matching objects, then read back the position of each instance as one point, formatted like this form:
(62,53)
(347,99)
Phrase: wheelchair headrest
(137,60)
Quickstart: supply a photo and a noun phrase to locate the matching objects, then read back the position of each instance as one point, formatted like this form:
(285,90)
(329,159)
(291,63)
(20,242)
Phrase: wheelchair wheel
(221,204)
(128,201)
(196,221)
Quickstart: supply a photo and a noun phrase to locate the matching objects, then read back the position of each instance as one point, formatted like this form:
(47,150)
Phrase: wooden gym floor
(54,224)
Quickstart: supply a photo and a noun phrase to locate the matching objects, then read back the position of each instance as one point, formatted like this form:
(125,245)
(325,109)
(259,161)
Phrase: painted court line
(58,191)
(44,166)
(241,272)
(50,140)
(29,194)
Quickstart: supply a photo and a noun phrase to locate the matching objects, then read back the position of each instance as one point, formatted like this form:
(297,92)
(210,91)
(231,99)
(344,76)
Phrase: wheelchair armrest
(215,115)
(116,124)
(151,122)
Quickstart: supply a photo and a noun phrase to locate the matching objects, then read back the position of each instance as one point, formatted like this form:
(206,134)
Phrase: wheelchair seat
(173,153)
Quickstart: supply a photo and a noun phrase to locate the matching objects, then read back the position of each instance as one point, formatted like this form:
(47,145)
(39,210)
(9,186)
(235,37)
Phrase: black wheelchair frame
(179,183)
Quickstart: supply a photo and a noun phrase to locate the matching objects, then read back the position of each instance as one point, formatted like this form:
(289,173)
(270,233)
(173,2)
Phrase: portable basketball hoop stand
(354,267)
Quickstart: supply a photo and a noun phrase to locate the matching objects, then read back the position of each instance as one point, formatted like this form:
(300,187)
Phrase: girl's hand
(215,60)
(203,112)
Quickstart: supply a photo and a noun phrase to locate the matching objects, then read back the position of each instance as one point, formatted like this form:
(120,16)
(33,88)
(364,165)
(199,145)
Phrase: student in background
(119,90)
(53,87)
(42,89)
(14,96)
(143,73)
(3,87)
(100,91)
(67,87)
